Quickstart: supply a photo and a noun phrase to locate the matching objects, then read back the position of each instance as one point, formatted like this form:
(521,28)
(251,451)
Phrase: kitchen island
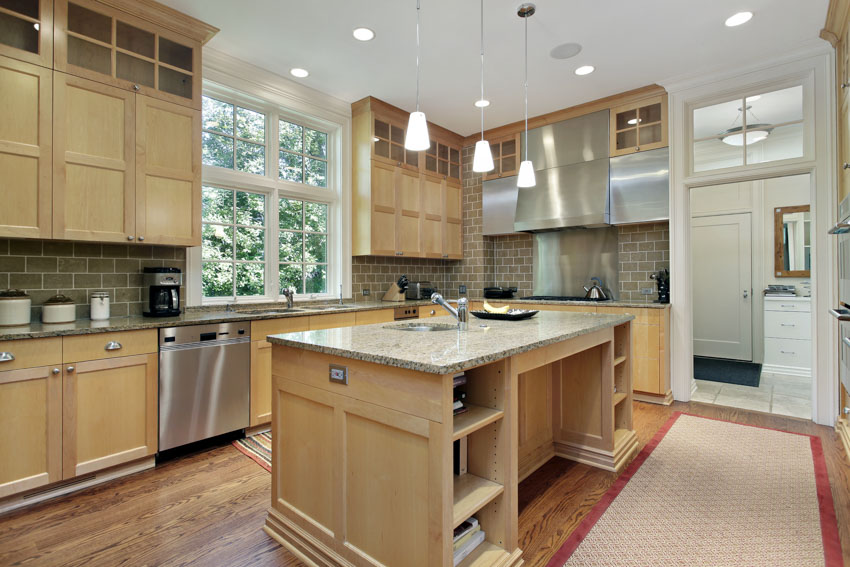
(366,447)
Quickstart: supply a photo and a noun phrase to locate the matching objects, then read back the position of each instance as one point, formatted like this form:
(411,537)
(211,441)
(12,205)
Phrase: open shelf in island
(474,419)
(471,493)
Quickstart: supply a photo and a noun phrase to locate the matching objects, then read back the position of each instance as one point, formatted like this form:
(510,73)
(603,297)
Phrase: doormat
(711,492)
(727,371)
(258,448)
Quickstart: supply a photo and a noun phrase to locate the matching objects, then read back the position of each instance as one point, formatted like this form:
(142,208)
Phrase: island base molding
(613,461)
(665,399)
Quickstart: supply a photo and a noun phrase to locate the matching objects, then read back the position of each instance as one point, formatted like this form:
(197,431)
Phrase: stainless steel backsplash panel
(565,260)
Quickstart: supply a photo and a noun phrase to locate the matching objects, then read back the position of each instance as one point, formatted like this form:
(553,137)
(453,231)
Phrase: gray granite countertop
(632,304)
(445,352)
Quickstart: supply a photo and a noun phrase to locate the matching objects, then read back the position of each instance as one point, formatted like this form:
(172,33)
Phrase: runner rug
(710,492)
(257,447)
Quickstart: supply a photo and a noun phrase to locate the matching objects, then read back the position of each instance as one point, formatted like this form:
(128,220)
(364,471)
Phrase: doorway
(751,282)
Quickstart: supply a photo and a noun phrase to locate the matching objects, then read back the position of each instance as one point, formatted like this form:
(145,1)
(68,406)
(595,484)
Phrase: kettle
(595,291)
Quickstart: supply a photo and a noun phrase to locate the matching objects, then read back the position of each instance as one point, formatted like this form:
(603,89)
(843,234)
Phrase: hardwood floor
(207,509)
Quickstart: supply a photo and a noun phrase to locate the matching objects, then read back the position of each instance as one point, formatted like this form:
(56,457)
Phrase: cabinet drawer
(788,304)
(374,316)
(29,353)
(261,329)
(331,321)
(100,345)
(787,325)
(788,352)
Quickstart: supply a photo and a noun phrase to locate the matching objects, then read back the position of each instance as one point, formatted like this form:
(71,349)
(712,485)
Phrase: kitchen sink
(325,307)
(271,311)
(423,327)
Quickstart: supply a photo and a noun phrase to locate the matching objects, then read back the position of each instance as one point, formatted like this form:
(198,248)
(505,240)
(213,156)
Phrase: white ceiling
(632,43)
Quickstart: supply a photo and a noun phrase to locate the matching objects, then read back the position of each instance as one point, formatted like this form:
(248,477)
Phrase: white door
(721,261)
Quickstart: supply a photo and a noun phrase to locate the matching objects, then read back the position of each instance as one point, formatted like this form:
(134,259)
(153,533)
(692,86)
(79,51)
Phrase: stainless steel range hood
(571,163)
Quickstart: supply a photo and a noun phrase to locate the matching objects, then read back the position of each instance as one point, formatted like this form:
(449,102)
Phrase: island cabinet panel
(535,441)
(26,142)
(374,316)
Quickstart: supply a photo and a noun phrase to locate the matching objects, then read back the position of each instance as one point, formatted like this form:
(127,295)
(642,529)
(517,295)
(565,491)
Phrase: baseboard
(534,460)
(663,399)
(786,370)
(842,428)
(613,461)
(66,487)
(262,428)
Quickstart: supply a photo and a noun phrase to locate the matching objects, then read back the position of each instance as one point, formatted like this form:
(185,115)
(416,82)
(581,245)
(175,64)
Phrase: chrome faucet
(288,293)
(461,313)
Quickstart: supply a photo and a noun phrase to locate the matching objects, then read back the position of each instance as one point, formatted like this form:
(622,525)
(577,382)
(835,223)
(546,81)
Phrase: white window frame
(336,195)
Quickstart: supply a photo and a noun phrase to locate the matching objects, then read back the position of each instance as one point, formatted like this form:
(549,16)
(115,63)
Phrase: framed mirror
(792,239)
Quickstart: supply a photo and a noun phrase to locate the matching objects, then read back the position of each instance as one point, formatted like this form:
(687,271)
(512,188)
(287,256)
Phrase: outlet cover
(647,291)
(367,291)
(461,289)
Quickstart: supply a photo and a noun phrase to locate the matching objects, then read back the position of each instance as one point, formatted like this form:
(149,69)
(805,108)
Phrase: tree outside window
(303,246)
(303,155)
(233,137)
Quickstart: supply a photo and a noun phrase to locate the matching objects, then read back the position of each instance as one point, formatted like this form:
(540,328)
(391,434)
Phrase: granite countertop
(450,351)
(632,304)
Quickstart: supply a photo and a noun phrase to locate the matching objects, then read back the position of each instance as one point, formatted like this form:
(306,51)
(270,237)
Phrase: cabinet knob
(845,85)
(141,238)
(433,312)
(69,370)
(637,148)
(136,87)
(55,371)
(846,166)
(130,237)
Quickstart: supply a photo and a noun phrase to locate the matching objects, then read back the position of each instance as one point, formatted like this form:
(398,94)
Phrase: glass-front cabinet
(26,30)
(96,42)
(639,126)
(506,157)
(388,144)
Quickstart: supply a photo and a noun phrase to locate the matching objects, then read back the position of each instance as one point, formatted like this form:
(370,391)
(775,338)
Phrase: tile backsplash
(46,267)
(644,249)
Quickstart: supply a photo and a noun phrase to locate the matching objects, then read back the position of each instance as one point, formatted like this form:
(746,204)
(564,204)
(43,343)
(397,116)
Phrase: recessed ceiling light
(363,34)
(483,103)
(753,98)
(738,19)
(298,72)
(585,70)
(565,51)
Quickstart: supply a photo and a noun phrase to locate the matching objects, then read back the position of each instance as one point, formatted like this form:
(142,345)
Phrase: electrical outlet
(647,291)
(461,289)
(367,291)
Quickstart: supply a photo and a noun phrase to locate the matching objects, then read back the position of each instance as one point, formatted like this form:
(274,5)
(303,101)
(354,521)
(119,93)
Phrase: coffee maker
(163,291)
(662,280)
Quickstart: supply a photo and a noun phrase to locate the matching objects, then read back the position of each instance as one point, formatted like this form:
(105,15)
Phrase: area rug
(727,371)
(258,448)
(710,492)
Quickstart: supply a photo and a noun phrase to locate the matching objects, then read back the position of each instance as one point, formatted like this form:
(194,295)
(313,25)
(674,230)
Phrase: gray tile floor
(779,394)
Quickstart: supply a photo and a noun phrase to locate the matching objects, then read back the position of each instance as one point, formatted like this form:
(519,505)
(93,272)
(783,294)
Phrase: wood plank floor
(208,509)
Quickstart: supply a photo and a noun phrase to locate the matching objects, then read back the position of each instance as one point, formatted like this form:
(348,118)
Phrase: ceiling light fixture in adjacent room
(483,103)
(363,34)
(738,19)
(756,132)
(298,72)
(482,160)
(585,70)
(416,138)
(526,169)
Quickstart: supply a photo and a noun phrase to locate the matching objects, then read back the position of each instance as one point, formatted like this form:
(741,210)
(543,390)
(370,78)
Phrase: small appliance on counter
(163,291)
(595,292)
(15,307)
(419,290)
(778,290)
(59,309)
(498,292)
(662,280)
(100,306)
(397,290)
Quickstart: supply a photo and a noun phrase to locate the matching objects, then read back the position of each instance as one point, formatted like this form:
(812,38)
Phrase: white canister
(59,309)
(99,306)
(14,308)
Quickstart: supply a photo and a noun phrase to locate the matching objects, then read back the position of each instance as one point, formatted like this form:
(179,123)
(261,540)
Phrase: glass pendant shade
(526,176)
(734,137)
(483,159)
(416,139)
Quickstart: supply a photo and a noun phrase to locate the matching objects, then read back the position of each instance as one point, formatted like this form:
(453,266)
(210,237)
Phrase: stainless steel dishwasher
(204,381)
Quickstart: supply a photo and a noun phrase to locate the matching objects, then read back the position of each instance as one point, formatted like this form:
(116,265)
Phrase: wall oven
(842,231)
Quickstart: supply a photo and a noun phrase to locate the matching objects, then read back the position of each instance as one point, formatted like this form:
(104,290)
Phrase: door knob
(746,294)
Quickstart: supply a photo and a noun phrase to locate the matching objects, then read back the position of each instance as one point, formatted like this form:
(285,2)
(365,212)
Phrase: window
(303,155)
(303,235)
(754,129)
(233,137)
(233,248)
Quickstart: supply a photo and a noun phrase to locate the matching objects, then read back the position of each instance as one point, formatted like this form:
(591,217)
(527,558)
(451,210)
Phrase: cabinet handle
(846,166)
(141,238)
(787,352)
(6,357)
(113,345)
(136,87)
(130,237)
(55,371)
(69,370)
(789,306)
(845,85)
(787,325)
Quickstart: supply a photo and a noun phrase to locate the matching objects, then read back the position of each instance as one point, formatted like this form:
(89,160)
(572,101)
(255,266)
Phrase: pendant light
(417,138)
(483,159)
(526,169)
(755,132)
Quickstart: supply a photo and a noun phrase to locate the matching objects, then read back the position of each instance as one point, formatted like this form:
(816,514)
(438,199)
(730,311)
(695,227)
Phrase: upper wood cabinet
(639,126)
(506,157)
(26,31)
(109,45)
(400,196)
(25,149)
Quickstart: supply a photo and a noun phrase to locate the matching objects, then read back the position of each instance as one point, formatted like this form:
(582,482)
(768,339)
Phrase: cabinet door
(110,413)
(453,232)
(844,145)
(26,31)
(30,428)
(408,239)
(639,126)
(383,209)
(26,124)
(433,195)
(97,42)
(168,173)
(94,161)
(261,382)
(505,157)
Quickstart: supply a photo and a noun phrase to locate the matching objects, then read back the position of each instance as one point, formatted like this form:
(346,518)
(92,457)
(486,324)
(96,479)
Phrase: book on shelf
(468,547)
(465,538)
(460,459)
(465,528)
(459,380)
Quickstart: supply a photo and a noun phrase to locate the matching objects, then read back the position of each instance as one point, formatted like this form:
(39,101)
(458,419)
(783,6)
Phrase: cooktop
(564,298)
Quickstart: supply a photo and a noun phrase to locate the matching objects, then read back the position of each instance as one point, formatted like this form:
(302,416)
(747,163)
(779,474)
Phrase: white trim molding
(813,66)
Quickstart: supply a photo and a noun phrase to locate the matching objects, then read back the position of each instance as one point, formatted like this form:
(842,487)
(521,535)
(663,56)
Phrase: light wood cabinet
(639,126)
(109,45)
(443,159)
(26,31)
(453,222)
(26,141)
(506,157)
